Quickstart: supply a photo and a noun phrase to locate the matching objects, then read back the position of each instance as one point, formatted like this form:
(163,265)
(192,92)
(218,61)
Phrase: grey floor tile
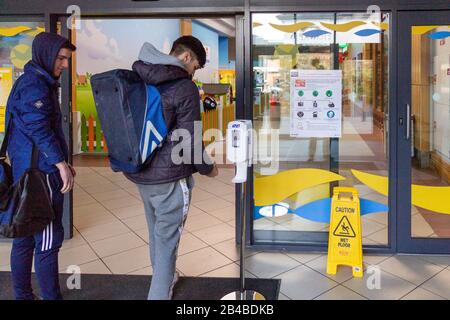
(343,273)
(369,226)
(303,283)
(439,284)
(391,287)
(304,257)
(410,268)
(421,294)
(230,249)
(201,261)
(269,264)
(340,293)
(443,261)
(283,297)
(372,259)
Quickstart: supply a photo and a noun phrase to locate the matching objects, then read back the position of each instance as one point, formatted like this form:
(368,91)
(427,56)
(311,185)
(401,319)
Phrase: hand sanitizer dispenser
(240,152)
(239,147)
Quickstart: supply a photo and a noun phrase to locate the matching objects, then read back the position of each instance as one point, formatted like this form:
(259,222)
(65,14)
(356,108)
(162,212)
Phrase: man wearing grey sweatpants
(166,183)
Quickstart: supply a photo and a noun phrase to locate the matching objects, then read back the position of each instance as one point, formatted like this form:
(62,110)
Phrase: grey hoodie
(180,100)
(149,54)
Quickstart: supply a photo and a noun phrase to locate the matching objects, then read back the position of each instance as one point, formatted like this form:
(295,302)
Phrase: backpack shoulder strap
(6,139)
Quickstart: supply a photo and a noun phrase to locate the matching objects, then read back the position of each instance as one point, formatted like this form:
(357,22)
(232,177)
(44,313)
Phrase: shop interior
(110,232)
(280,43)
(358,45)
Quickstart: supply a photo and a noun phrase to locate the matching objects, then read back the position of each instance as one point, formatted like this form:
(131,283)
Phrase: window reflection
(430,143)
(15,51)
(355,43)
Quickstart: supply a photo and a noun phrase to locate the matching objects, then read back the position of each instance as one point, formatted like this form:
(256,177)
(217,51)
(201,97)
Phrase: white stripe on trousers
(47,234)
(185,189)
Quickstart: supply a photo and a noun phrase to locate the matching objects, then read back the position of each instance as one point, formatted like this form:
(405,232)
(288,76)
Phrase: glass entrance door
(294,176)
(424,132)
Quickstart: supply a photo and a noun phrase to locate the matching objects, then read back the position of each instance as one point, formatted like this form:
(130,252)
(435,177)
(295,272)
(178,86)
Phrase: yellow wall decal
(34,32)
(291,27)
(321,191)
(382,25)
(417,30)
(431,198)
(343,27)
(428,197)
(13,31)
(20,55)
(378,183)
(6,83)
(275,188)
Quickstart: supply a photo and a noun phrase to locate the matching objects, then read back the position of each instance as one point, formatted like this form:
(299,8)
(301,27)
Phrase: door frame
(310,246)
(49,14)
(407,244)
(66,88)
(66,117)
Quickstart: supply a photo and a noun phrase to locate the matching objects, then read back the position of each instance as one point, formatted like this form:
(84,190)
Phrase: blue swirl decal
(315,33)
(319,210)
(367,32)
(14,38)
(439,35)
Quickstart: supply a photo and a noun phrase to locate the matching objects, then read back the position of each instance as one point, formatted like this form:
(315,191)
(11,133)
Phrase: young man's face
(190,63)
(62,61)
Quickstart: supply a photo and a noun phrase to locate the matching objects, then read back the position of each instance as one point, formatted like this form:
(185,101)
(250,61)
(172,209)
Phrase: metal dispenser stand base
(242,293)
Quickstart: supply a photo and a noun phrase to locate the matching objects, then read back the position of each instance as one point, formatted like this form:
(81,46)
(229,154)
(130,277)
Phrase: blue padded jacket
(34,106)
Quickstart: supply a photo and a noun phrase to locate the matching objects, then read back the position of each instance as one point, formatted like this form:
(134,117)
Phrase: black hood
(156,74)
(45,50)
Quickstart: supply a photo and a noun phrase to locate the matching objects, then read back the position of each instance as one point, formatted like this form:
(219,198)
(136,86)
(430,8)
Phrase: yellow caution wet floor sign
(345,240)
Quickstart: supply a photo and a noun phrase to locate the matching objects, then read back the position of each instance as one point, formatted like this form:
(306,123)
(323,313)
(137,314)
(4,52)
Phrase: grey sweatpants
(166,207)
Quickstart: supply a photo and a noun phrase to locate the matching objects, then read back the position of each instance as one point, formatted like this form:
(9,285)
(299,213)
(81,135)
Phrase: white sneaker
(176,276)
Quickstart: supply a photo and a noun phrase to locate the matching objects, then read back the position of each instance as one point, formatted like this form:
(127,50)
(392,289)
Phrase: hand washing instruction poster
(316,103)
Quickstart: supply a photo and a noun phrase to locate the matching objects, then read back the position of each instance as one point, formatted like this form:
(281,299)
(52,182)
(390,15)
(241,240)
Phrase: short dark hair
(68,45)
(192,45)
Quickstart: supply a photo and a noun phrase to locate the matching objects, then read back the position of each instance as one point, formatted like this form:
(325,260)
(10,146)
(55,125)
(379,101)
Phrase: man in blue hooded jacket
(34,119)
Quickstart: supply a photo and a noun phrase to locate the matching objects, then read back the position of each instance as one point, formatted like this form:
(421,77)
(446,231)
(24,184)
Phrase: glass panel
(357,45)
(430,140)
(15,51)
(105,44)
(102,45)
(363,147)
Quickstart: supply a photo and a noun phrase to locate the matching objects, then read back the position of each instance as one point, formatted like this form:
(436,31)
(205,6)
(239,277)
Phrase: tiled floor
(110,236)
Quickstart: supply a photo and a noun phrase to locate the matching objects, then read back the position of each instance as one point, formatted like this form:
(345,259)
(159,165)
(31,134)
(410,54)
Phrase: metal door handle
(408,121)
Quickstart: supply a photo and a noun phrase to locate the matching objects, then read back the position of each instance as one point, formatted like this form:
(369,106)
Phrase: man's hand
(74,173)
(214,172)
(66,176)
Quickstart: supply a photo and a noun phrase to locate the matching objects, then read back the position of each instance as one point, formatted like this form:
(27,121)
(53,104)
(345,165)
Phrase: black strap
(6,139)
(34,157)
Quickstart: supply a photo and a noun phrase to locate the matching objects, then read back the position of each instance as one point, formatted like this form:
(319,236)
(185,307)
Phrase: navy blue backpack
(131,116)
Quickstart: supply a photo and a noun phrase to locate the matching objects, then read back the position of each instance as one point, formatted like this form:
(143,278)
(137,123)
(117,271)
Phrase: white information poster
(316,103)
